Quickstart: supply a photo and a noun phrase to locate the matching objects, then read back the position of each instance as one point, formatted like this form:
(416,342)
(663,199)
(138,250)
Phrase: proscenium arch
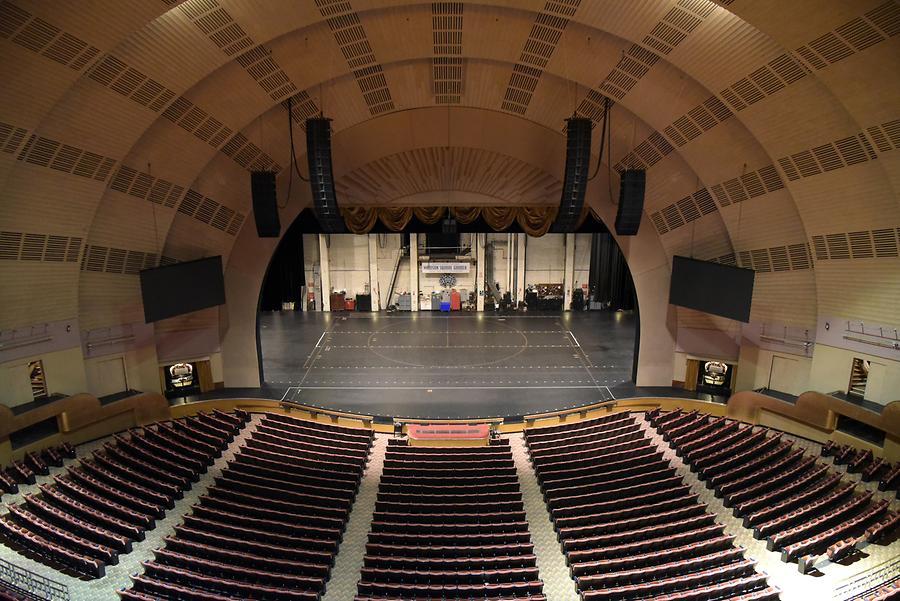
(558,80)
(169,31)
(647,261)
(528,13)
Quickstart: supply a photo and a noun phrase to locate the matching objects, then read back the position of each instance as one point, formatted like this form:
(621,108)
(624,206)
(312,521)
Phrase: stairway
(859,377)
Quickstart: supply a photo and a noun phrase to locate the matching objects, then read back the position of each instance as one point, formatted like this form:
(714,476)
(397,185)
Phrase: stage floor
(453,366)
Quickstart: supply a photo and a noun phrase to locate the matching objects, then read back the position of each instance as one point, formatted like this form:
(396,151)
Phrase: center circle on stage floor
(434,351)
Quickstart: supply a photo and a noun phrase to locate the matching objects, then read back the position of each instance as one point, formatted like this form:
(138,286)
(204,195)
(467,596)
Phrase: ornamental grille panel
(775,76)
(637,60)
(146,187)
(845,152)
(40,37)
(52,248)
(44,152)
(701,202)
(122,261)
(447,64)
(546,32)
(875,244)
(791,257)
(354,44)
(209,212)
(874,27)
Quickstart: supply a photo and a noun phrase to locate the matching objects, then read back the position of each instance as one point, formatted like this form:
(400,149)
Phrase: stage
(447,365)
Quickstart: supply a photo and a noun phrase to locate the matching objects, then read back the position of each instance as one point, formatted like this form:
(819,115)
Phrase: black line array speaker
(578,158)
(265,204)
(631,201)
(321,175)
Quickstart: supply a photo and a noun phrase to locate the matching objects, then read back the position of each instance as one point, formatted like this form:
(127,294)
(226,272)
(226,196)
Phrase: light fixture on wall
(892,342)
(21,342)
(802,343)
(118,340)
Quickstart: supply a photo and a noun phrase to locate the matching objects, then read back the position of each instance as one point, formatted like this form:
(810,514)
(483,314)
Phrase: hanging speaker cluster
(321,175)
(631,202)
(265,205)
(578,156)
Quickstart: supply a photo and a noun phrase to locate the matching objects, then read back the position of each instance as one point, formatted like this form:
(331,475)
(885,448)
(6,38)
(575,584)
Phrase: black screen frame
(714,288)
(163,300)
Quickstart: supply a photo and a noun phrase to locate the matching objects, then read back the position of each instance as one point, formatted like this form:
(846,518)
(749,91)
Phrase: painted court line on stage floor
(308,363)
(376,387)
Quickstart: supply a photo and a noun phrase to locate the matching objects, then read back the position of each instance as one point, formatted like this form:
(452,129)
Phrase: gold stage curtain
(499,218)
(359,220)
(536,221)
(430,215)
(395,218)
(465,215)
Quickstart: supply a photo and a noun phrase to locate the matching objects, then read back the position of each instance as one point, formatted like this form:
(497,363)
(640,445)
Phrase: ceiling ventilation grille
(779,258)
(11,137)
(886,136)
(793,257)
(875,244)
(447,64)
(735,190)
(208,211)
(116,75)
(354,44)
(21,246)
(637,60)
(106,259)
(302,108)
(874,27)
(675,26)
(546,32)
(702,117)
(45,152)
(842,153)
(248,155)
(146,187)
(38,36)
(191,118)
(219,26)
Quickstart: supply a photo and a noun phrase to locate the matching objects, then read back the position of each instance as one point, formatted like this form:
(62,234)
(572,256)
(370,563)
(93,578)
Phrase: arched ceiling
(769,132)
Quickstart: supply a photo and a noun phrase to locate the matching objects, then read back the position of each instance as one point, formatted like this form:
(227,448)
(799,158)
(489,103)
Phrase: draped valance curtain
(534,220)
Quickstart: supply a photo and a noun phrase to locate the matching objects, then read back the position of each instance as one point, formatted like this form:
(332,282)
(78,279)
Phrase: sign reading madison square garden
(445,267)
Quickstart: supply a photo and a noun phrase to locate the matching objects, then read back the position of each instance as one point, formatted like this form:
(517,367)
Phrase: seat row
(90,515)
(802,508)
(865,463)
(25,471)
(449,523)
(631,529)
(270,525)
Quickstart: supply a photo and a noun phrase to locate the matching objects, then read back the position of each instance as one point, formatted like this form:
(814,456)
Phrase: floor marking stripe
(564,387)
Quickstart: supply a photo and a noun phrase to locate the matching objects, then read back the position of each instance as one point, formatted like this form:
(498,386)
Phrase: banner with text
(445,267)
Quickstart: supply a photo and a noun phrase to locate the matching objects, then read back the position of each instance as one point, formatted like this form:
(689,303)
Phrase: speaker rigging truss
(321,175)
(578,158)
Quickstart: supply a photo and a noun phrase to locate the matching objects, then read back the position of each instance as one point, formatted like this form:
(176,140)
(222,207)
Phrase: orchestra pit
(488,300)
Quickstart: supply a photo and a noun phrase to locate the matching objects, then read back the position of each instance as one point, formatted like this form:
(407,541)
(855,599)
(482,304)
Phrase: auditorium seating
(270,525)
(629,526)
(801,507)
(449,523)
(88,516)
(25,471)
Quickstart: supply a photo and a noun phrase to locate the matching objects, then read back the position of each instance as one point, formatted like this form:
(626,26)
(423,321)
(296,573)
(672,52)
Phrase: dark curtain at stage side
(610,279)
(285,275)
